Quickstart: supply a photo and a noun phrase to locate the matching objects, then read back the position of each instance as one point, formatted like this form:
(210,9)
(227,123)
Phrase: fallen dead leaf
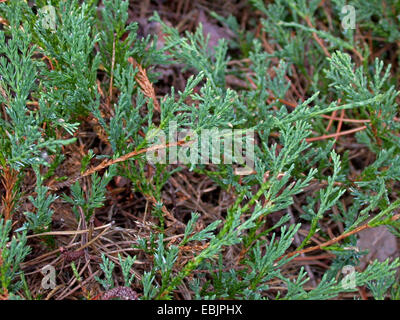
(380,243)
(216,32)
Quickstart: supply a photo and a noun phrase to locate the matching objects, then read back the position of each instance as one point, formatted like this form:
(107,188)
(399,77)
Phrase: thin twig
(334,240)
(334,135)
(107,163)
